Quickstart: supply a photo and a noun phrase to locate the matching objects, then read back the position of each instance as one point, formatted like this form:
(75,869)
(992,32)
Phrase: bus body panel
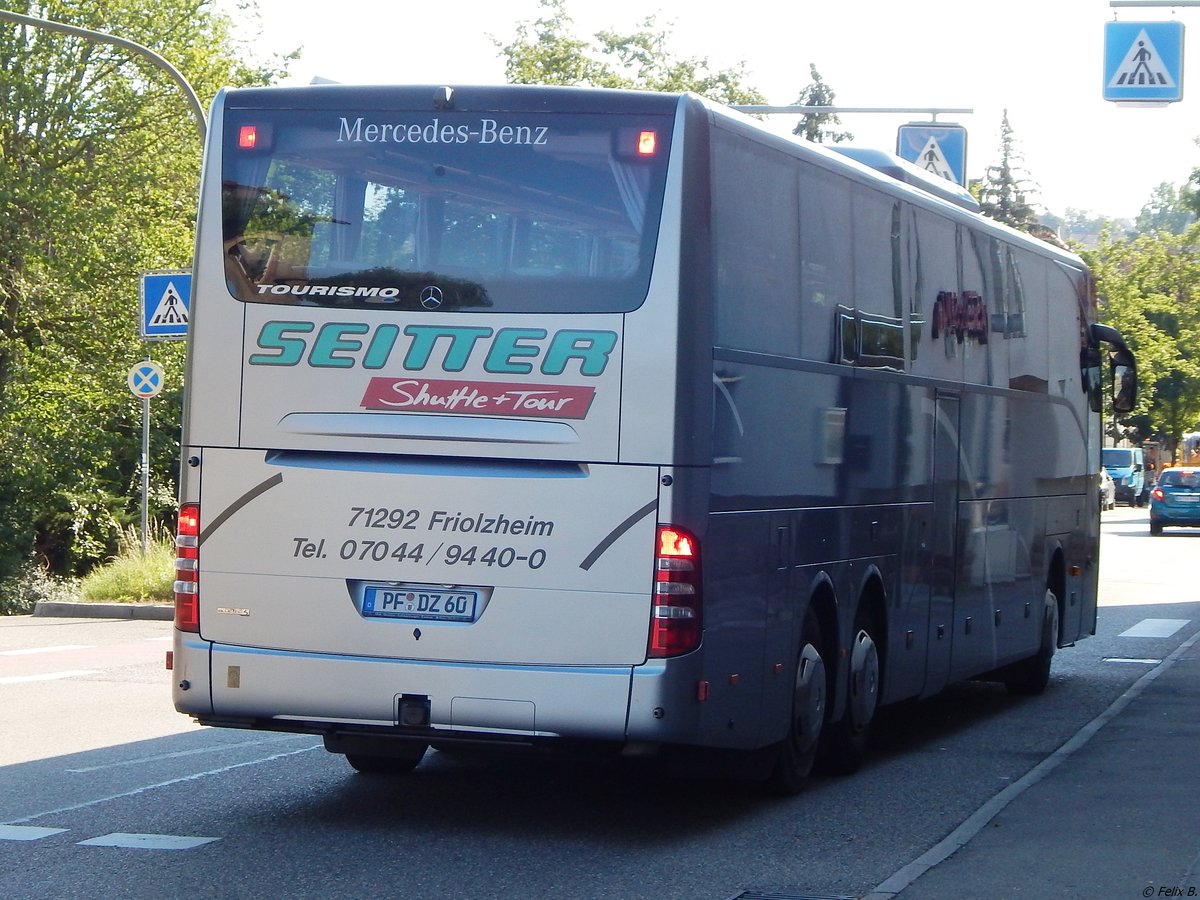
(364,381)
(213,383)
(329,527)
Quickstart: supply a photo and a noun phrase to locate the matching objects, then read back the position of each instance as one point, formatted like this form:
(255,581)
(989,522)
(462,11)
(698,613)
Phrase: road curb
(68,610)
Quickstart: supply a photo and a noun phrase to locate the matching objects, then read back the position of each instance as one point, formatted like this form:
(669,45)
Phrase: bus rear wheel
(846,740)
(798,751)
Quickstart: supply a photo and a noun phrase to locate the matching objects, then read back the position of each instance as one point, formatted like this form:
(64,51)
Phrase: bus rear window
(463,211)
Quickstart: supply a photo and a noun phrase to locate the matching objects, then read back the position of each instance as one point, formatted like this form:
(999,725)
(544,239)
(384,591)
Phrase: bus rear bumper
(321,694)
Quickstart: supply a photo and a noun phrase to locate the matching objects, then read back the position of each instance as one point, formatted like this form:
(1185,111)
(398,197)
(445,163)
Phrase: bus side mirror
(1124,381)
(1124,367)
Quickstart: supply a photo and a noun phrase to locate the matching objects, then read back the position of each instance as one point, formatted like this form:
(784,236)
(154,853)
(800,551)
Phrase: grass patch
(134,577)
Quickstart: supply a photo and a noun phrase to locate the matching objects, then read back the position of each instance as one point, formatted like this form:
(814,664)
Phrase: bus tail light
(675,625)
(187,568)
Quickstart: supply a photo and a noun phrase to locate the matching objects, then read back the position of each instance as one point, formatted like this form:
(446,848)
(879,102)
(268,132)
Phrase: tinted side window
(756,246)
(826,256)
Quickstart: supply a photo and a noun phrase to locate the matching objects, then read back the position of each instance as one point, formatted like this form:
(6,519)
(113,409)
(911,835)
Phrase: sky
(1042,60)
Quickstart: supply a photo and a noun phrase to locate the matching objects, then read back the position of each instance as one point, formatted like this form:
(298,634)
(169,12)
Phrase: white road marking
(1127,659)
(1155,628)
(30,651)
(161,784)
(148,841)
(142,760)
(46,676)
(26,832)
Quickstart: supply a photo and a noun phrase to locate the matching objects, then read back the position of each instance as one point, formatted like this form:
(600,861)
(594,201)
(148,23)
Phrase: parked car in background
(1108,490)
(1175,499)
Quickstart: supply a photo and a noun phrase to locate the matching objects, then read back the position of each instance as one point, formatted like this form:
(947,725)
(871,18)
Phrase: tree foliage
(818,127)
(546,51)
(1166,210)
(1149,289)
(99,163)
(1005,191)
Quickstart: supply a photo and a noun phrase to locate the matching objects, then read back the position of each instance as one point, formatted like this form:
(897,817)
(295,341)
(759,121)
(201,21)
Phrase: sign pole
(145,473)
(145,381)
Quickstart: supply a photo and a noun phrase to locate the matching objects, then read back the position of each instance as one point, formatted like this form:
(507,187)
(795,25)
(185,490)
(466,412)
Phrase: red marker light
(248,137)
(647,143)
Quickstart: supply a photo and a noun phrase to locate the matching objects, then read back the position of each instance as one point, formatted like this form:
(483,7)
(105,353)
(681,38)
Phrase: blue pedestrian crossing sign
(1143,62)
(940,149)
(166,298)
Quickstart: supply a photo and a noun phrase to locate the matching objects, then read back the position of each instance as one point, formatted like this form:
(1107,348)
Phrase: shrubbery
(30,585)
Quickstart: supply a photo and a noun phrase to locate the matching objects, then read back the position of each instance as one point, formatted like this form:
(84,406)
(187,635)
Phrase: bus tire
(1031,676)
(798,751)
(846,740)
(402,762)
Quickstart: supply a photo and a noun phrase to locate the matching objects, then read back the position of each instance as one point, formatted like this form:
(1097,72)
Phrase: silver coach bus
(534,415)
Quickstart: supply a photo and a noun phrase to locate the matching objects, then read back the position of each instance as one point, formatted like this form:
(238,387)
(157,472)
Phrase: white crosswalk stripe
(30,651)
(1155,628)
(47,676)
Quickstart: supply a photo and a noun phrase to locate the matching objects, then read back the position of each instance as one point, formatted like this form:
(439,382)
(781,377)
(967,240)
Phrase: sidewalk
(68,610)
(1114,813)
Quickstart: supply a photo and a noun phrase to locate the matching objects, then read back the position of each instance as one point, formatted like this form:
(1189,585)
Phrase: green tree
(1189,193)
(547,52)
(99,162)
(1164,211)
(818,127)
(1006,187)
(1149,288)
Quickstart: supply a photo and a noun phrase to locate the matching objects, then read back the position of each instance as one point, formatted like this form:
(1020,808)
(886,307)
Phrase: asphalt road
(106,792)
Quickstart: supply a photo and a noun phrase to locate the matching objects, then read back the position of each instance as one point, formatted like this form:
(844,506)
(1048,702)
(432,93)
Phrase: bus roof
(469,98)
(903,170)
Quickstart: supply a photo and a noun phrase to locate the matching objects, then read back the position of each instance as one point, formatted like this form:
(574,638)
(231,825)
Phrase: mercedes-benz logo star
(431,297)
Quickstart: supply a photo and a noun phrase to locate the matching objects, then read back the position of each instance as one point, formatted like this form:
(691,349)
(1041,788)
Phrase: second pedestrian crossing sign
(1143,62)
(166,298)
(940,149)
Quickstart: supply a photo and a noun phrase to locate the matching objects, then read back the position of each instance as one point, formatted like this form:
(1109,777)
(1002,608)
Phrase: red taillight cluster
(1158,494)
(187,568)
(675,625)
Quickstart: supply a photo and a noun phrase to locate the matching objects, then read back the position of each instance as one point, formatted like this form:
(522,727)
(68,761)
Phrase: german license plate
(1186,498)
(413,601)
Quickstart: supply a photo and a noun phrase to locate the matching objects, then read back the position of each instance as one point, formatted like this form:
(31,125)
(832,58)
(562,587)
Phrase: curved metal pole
(103,38)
